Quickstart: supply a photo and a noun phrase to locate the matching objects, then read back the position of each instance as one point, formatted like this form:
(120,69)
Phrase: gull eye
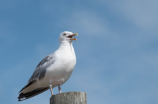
(64,34)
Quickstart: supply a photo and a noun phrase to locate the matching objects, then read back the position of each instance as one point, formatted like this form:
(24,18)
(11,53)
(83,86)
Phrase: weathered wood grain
(69,98)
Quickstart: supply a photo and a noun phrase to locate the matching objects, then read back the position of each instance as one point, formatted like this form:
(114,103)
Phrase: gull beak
(74,34)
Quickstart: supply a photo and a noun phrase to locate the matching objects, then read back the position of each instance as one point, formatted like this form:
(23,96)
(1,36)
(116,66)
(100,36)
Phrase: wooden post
(69,98)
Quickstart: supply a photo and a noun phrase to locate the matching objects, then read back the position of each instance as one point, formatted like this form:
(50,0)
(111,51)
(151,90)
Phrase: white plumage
(54,70)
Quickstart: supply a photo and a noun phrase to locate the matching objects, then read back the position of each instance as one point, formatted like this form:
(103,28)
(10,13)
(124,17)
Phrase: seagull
(54,70)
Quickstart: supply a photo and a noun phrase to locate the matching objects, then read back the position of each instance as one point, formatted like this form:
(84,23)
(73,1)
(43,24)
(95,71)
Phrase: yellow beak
(74,34)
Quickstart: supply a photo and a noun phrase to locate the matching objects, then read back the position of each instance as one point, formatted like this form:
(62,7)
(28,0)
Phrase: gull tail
(24,96)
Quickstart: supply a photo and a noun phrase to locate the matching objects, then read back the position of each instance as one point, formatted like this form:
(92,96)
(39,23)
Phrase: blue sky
(117,48)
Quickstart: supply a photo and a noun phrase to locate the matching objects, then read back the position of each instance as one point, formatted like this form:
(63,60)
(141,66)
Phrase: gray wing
(41,68)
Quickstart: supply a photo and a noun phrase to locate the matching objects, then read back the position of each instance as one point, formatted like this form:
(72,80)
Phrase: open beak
(74,34)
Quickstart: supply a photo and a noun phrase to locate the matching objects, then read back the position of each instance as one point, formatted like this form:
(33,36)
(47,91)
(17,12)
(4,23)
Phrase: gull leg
(59,89)
(50,86)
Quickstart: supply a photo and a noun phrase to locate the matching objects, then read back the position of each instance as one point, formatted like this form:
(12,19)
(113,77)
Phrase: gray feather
(41,68)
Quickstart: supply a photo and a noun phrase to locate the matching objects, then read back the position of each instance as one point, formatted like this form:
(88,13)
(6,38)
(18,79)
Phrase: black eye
(64,34)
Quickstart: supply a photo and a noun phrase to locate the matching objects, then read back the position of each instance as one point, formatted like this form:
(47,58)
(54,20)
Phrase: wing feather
(42,67)
(40,70)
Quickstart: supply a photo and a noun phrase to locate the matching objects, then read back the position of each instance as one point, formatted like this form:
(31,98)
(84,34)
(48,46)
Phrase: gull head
(67,36)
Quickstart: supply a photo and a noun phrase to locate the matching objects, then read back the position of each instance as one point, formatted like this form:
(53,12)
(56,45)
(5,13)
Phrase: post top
(69,98)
